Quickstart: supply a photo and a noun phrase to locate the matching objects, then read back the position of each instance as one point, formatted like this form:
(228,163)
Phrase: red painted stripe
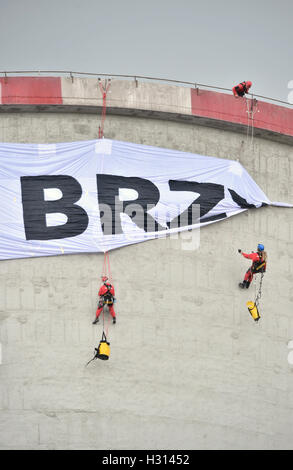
(31,90)
(228,108)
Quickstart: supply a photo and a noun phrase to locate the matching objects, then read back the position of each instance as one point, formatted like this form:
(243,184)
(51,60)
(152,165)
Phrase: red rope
(106,266)
(104,91)
(106,328)
(106,272)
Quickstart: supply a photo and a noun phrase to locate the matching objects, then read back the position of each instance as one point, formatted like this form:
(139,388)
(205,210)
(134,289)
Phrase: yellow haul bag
(253,310)
(103,350)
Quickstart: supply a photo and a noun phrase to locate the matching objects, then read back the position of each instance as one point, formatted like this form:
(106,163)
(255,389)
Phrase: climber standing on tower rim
(259,264)
(107,297)
(241,89)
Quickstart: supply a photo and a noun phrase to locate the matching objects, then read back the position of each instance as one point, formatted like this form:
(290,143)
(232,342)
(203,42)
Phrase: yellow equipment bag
(103,350)
(253,310)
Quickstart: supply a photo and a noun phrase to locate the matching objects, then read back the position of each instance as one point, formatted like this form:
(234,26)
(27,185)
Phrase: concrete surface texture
(189,368)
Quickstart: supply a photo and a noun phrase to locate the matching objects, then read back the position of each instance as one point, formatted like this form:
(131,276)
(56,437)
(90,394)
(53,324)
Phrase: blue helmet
(260,247)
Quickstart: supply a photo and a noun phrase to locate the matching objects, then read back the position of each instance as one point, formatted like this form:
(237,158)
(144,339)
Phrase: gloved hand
(239,251)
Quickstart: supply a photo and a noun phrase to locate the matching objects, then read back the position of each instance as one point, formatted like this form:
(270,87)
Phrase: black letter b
(35,207)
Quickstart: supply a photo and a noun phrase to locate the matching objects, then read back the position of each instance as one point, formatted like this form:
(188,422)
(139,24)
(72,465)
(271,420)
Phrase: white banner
(94,196)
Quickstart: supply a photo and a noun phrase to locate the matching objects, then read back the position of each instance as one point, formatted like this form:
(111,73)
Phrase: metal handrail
(136,77)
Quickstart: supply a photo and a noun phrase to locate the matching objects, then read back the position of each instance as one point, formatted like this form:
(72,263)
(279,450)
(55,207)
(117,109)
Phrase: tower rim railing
(196,85)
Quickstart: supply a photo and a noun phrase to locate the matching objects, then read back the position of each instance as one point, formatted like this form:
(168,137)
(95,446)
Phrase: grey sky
(217,43)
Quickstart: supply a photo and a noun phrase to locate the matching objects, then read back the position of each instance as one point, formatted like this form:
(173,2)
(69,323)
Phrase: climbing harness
(259,266)
(102,351)
(108,296)
(104,91)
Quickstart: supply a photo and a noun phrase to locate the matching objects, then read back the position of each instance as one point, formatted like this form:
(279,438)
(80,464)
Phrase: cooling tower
(189,368)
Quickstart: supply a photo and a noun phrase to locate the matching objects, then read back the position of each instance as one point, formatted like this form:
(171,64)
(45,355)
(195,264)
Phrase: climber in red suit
(241,89)
(107,297)
(258,265)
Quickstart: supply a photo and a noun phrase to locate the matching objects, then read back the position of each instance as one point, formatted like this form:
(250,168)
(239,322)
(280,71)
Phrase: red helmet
(104,278)
(248,84)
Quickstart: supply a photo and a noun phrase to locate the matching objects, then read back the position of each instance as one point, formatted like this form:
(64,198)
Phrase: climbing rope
(258,296)
(106,266)
(104,91)
(106,272)
(251,109)
(95,357)
(105,325)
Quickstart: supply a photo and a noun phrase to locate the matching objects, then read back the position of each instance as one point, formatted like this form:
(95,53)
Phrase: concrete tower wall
(189,368)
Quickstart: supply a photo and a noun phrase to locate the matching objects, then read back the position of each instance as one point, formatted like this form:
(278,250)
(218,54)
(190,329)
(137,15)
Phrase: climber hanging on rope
(241,89)
(107,297)
(259,263)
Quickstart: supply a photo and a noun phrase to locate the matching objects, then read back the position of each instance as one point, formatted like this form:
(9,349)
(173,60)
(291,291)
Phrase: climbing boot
(242,285)
(114,320)
(95,321)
